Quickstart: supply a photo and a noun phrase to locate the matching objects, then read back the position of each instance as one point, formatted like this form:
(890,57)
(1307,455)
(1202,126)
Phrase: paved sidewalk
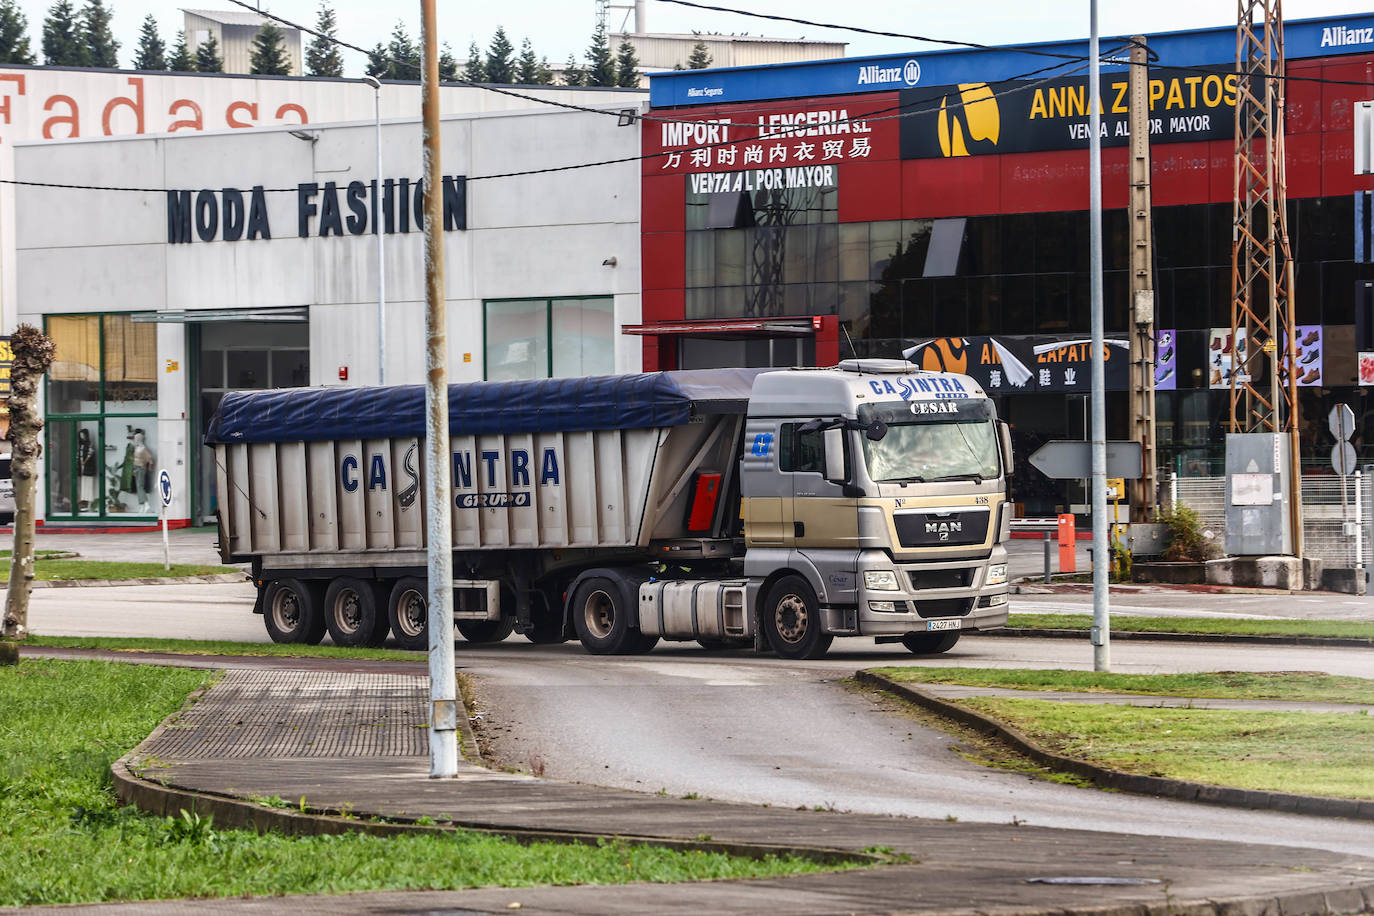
(350,742)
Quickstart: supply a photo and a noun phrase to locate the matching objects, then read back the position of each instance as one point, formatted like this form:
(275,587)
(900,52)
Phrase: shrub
(1185,541)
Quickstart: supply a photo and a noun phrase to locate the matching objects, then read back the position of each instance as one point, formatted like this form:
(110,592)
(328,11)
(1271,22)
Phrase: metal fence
(1324,519)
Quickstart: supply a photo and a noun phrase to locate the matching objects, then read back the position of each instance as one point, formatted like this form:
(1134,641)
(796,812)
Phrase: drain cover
(1077,879)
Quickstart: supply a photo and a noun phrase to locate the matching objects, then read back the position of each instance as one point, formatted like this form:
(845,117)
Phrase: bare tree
(33,353)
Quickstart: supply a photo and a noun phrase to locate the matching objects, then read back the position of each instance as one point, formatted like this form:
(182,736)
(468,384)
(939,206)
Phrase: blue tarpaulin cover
(645,400)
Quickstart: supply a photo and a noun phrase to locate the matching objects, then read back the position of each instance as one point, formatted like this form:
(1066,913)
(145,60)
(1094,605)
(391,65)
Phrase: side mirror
(1004,441)
(834,455)
(875,430)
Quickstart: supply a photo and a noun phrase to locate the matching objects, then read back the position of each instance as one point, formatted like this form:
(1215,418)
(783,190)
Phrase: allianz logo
(909,73)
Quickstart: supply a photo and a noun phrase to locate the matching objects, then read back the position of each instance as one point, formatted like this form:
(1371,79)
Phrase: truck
(774,508)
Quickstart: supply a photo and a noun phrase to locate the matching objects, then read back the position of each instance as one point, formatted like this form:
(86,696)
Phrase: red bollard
(1067,546)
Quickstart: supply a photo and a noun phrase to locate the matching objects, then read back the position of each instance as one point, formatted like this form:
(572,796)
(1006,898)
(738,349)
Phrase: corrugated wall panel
(582,497)
(378,499)
(408,470)
(323,488)
(467,531)
(295,492)
(351,481)
(264,490)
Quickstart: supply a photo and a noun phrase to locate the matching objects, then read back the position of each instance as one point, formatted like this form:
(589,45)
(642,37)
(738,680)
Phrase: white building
(250,261)
(234,31)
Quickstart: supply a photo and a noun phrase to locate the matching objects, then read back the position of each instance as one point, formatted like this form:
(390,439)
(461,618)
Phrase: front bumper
(952,594)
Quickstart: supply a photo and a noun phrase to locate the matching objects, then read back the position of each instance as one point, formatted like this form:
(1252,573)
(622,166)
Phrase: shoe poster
(1219,358)
(1166,360)
(1309,356)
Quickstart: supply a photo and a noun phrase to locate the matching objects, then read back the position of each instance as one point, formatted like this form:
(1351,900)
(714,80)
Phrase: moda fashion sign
(1019,116)
(1021,364)
(355,208)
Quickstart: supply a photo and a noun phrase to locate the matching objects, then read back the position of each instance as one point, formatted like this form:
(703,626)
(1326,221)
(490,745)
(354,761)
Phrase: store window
(548,338)
(101,417)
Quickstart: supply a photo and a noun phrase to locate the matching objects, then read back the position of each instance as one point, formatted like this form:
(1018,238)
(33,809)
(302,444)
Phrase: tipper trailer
(733,507)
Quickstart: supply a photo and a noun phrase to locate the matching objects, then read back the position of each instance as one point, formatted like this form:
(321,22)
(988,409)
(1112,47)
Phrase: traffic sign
(1341,422)
(164,486)
(1067,459)
(1343,458)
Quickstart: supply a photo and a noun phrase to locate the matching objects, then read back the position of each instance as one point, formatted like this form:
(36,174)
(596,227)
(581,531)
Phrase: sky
(558,28)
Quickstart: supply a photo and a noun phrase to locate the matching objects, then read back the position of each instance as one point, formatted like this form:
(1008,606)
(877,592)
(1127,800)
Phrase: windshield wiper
(913,479)
(974,476)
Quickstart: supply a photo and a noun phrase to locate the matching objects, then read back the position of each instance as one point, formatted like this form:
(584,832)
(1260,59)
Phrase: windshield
(951,450)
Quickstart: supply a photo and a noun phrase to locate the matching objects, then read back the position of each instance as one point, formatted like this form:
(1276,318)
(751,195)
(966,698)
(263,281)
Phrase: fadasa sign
(355,208)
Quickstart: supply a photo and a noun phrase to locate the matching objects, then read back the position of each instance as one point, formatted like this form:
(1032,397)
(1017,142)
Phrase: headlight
(884,580)
(997,574)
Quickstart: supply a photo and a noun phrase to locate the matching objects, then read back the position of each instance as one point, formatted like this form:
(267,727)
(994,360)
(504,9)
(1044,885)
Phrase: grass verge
(64,839)
(1346,629)
(60,570)
(1309,753)
(1262,685)
(134,645)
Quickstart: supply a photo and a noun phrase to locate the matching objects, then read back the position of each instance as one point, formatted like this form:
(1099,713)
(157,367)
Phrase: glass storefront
(101,427)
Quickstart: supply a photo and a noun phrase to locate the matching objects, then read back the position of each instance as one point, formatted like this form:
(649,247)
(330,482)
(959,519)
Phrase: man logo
(911,73)
(971,116)
(947,354)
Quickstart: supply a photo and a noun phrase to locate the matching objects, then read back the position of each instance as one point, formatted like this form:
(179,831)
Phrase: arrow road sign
(1066,459)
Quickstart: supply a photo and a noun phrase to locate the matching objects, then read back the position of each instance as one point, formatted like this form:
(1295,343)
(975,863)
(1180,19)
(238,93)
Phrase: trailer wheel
(930,643)
(408,613)
(601,618)
(485,630)
(291,610)
(353,613)
(792,620)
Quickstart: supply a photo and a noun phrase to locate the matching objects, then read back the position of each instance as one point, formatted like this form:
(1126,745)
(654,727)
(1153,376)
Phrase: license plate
(953,624)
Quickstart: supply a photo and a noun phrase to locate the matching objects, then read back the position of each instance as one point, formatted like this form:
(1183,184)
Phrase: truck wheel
(642,645)
(792,620)
(930,643)
(485,630)
(353,614)
(601,618)
(408,613)
(291,610)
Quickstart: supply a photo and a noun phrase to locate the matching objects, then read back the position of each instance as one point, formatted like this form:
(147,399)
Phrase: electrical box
(1257,480)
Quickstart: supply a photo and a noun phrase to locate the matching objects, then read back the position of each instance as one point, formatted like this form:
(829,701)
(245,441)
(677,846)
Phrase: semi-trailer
(775,508)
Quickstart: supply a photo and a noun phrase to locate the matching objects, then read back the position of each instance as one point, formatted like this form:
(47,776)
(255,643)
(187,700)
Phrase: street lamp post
(377,221)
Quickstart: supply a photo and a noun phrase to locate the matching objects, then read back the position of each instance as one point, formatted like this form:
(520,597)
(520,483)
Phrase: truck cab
(874,501)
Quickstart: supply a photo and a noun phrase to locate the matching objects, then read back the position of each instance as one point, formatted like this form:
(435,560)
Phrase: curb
(1332,641)
(214,579)
(1117,779)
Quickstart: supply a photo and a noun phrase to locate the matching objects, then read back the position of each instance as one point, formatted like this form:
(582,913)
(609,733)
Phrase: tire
(485,630)
(792,620)
(291,610)
(407,612)
(354,614)
(930,643)
(601,616)
(724,643)
(643,644)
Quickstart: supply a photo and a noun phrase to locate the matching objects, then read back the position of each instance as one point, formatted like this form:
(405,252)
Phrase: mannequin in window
(143,471)
(85,465)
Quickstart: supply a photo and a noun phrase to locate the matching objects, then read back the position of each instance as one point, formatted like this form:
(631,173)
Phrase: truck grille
(941,578)
(944,607)
(945,529)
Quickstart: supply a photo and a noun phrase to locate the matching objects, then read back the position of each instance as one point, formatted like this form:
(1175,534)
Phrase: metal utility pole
(1145,500)
(443,681)
(1264,377)
(376,85)
(1102,557)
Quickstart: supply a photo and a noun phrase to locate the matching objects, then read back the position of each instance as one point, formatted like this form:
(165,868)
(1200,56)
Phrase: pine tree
(526,65)
(14,34)
(62,44)
(573,74)
(207,56)
(322,57)
(376,62)
(475,70)
(500,67)
(544,75)
(269,51)
(626,66)
(101,48)
(404,54)
(700,58)
(181,60)
(448,65)
(600,64)
(152,51)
